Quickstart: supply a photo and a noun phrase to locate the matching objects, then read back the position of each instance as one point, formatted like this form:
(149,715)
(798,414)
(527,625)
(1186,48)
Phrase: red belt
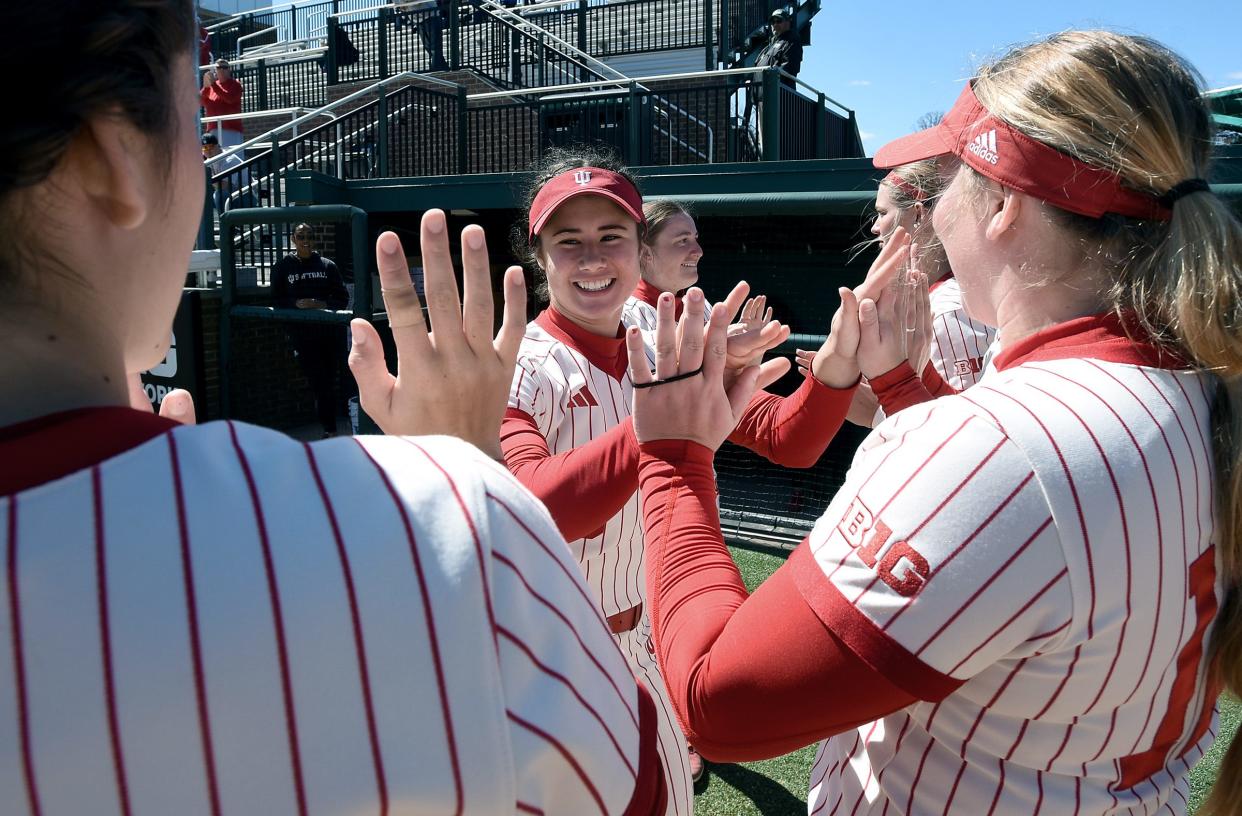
(625,621)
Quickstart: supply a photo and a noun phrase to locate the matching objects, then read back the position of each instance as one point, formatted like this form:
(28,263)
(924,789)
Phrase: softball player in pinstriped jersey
(211,619)
(1026,596)
(958,343)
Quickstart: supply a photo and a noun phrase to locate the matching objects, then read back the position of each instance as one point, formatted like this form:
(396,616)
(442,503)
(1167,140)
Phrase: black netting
(799,266)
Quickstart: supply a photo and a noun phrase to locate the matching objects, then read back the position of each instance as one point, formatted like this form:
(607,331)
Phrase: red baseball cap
(1004,154)
(584,181)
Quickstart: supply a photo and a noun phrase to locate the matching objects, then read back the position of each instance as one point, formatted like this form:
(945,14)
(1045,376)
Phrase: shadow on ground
(770,797)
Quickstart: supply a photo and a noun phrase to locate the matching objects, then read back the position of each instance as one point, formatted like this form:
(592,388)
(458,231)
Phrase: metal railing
(293,80)
(393,37)
(738,115)
(409,131)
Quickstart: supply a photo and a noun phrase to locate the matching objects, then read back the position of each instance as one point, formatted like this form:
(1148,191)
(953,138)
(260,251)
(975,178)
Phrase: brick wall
(266,384)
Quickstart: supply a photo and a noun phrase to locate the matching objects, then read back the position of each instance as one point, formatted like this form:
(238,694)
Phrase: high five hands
(885,320)
(454,378)
(687,396)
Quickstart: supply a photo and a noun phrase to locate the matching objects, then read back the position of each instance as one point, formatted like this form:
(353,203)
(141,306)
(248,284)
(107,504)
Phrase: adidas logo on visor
(984,146)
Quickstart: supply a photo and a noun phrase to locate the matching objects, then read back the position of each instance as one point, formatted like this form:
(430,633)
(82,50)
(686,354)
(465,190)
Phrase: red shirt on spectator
(222,97)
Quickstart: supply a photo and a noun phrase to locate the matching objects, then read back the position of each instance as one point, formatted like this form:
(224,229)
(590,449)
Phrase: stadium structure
(359,116)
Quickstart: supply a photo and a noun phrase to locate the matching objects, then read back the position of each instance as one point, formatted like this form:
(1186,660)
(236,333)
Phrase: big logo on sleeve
(900,565)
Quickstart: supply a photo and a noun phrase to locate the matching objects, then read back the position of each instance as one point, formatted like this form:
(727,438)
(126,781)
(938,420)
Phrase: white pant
(638,649)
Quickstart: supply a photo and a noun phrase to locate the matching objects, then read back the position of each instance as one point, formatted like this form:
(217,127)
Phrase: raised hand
(836,364)
(686,397)
(918,320)
(894,327)
(454,379)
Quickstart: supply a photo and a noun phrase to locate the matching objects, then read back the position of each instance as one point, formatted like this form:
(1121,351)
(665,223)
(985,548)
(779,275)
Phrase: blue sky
(894,61)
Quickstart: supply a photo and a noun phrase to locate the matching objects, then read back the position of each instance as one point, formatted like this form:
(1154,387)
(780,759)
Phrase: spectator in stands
(307,280)
(222,95)
(222,194)
(784,50)
(431,32)
(204,45)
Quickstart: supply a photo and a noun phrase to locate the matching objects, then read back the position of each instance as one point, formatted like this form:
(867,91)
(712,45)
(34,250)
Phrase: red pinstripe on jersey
(1075,692)
(196,648)
(19,664)
(282,651)
(105,641)
(364,677)
(432,635)
(412,681)
(960,341)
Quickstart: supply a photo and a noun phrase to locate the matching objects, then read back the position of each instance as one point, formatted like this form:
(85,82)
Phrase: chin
(150,354)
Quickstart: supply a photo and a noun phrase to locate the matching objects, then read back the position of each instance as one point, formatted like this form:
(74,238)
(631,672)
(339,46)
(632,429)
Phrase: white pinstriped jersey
(641,314)
(572,402)
(1040,549)
(224,620)
(959,343)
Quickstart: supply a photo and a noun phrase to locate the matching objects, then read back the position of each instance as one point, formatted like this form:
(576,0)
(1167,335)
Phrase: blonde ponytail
(1130,105)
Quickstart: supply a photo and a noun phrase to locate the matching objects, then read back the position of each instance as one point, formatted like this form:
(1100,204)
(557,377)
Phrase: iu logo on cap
(582,176)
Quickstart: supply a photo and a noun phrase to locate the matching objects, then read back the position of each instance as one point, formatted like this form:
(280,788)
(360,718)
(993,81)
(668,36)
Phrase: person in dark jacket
(784,50)
(307,280)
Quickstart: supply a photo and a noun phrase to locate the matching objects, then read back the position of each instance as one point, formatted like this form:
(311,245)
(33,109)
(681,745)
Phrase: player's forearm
(749,677)
(582,488)
(900,388)
(793,431)
(935,384)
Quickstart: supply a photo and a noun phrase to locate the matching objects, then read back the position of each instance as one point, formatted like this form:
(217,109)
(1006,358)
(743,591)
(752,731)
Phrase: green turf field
(778,786)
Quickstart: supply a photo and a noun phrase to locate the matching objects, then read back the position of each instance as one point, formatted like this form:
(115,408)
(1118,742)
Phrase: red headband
(584,181)
(903,185)
(999,151)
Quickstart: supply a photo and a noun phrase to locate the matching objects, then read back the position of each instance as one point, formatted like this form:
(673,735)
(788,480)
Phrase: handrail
(270,112)
(305,55)
(364,10)
(258,33)
(577,86)
(284,46)
(500,12)
(344,100)
(237,15)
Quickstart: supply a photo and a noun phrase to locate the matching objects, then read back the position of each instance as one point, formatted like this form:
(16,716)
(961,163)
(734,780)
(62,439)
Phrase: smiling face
(671,260)
(588,249)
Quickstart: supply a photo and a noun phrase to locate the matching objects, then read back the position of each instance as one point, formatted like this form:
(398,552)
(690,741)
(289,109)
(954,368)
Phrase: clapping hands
(885,320)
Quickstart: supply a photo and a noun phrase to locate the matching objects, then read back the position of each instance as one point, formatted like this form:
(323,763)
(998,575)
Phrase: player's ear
(1004,206)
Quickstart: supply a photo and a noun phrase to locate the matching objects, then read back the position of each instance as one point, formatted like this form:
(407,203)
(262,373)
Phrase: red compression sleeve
(583,487)
(793,431)
(936,384)
(750,677)
(899,388)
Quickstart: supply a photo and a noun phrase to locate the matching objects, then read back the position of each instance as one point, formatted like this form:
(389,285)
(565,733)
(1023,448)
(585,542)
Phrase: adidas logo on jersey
(583,399)
(984,146)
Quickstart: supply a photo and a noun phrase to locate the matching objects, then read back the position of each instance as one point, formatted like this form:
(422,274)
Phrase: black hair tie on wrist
(1183,189)
(668,380)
